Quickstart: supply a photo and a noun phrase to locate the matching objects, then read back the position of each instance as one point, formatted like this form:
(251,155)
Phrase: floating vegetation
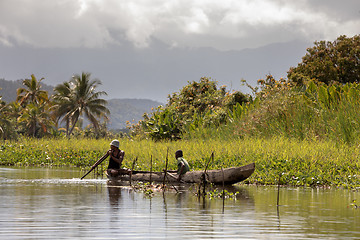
(149,189)
(215,193)
(354,205)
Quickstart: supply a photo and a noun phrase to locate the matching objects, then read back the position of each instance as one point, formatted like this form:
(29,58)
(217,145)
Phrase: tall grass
(298,162)
(316,112)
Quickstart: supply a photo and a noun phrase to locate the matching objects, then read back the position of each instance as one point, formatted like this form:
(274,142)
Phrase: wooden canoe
(228,176)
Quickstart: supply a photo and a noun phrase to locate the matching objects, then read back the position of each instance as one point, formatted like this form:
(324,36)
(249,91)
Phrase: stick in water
(150,169)
(166,164)
(132,169)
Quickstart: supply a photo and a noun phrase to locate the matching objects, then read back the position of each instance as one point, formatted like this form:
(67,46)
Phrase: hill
(121,110)
(152,73)
(8,89)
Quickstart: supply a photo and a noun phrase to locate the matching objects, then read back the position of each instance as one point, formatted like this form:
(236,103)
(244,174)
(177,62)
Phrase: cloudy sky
(150,48)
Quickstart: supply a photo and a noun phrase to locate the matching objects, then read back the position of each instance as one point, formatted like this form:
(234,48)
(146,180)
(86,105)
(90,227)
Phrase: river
(53,203)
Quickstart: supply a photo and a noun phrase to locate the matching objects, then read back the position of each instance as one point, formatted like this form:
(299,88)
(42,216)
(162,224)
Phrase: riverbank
(297,163)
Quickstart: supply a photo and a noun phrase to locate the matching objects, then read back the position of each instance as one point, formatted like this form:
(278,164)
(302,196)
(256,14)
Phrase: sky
(149,49)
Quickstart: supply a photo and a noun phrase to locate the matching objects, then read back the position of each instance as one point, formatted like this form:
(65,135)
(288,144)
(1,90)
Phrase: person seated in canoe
(116,158)
(183,165)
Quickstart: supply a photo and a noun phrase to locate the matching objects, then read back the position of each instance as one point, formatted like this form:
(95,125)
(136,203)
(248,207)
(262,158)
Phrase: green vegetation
(36,114)
(302,131)
(330,62)
(79,97)
(300,163)
(197,105)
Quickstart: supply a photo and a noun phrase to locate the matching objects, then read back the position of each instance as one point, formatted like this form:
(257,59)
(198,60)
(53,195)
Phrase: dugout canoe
(229,176)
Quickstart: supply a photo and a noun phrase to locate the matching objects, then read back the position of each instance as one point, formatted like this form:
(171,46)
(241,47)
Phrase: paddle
(171,175)
(96,164)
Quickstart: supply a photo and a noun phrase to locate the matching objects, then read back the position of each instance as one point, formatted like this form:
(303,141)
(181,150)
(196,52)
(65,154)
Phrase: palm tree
(62,103)
(36,119)
(32,93)
(34,114)
(79,97)
(5,120)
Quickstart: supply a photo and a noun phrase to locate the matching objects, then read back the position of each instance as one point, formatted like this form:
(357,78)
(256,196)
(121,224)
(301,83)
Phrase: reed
(299,162)
(319,112)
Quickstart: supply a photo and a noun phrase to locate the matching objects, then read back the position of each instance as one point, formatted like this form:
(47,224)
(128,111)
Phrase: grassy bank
(300,163)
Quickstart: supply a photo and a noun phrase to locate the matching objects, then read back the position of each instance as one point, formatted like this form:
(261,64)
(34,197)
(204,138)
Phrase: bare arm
(180,172)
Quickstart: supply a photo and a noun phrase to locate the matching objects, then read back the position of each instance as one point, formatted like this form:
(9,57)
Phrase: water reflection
(38,204)
(114,193)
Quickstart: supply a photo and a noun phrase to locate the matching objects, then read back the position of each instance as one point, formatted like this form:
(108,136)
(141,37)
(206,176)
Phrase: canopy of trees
(36,114)
(329,62)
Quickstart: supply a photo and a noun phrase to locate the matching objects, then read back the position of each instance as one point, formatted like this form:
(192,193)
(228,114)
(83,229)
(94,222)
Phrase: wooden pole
(211,158)
(132,168)
(223,191)
(203,176)
(150,169)
(96,164)
(166,164)
(278,193)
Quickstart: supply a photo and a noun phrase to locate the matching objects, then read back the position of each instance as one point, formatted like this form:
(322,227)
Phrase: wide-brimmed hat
(115,143)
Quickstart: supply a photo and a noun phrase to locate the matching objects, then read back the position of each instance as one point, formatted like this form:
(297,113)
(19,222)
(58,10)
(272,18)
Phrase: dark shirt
(113,164)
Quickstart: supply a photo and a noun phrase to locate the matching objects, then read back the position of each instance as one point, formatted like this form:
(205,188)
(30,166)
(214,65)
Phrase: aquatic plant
(225,194)
(300,162)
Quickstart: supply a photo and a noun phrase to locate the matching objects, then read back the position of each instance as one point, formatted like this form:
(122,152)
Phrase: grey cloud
(225,25)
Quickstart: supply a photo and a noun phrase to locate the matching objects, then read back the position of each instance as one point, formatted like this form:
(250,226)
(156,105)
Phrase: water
(55,204)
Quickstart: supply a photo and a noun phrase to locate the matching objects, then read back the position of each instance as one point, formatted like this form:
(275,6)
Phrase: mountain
(121,110)
(132,110)
(153,72)
(8,89)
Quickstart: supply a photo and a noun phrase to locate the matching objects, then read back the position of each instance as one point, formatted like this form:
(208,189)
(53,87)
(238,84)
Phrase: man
(116,158)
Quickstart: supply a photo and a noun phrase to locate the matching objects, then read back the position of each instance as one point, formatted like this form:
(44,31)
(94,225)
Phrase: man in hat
(116,158)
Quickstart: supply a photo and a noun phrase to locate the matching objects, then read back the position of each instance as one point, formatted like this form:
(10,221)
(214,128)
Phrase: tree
(198,104)
(79,97)
(329,62)
(62,103)
(36,119)
(32,111)
(197,98)
(32,93)
(6,124)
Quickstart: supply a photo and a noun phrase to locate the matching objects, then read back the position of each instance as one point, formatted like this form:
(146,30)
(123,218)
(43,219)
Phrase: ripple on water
(75,181)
